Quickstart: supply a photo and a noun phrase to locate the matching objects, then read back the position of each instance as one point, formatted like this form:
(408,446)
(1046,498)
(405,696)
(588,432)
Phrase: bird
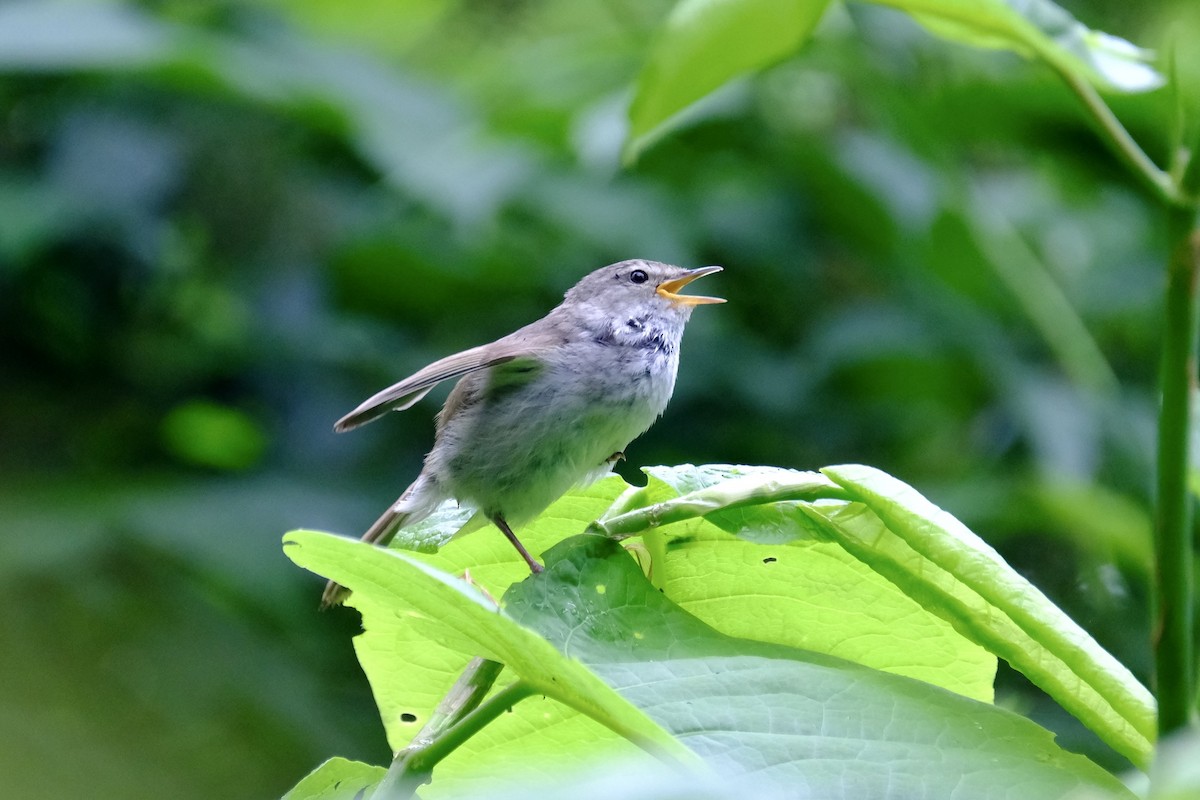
(546,407)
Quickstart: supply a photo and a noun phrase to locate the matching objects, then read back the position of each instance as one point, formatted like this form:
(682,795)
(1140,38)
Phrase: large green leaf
(424,625)
(411,663)
(771,580)
(634,781)
(705,44)
(822,726)
(755,553)
(813,595)
(935,558)
(408,668)
(940,565)
(457,613)
(756,570)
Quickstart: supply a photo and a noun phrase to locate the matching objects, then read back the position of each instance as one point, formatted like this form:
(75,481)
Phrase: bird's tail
(416,503)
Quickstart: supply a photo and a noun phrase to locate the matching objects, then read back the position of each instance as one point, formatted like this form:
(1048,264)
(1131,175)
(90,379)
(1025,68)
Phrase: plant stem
(1173,663)
(427,757)
(731,494)
(1174,666)
(1128,150)
(412,766)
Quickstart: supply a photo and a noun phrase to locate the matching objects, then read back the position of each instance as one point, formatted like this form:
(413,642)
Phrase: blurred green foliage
(223,224)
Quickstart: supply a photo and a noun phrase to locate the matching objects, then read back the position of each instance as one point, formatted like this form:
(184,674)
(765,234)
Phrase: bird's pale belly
(547,436)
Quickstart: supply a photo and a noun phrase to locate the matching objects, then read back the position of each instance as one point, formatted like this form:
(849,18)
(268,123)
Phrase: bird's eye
(639,276)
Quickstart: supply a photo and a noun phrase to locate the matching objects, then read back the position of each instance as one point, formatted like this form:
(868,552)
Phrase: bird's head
(639,288)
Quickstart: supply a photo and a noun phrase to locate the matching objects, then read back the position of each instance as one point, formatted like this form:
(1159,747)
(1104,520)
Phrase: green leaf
(822,726)
(707,43)
(412,663)
(781,580)
(789,586)
(816,596)
(432,533)
(484,553)
(410,670)
(937,560)
(813,594)
(1039,28)
(337,779)
(401,597)
(942,567)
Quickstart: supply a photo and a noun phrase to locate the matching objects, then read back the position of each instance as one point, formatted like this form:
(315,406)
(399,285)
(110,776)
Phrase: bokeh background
(223,224)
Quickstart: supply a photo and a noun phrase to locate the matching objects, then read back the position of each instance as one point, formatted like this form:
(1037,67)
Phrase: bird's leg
(534,566)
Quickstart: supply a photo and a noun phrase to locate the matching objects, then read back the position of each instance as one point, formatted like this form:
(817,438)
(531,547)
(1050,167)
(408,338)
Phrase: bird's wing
(408,391)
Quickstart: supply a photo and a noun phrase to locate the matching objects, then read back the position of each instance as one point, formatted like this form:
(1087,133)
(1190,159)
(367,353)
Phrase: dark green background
(223,224)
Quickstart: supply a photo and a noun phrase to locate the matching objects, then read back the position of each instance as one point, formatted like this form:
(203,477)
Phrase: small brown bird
(544,408)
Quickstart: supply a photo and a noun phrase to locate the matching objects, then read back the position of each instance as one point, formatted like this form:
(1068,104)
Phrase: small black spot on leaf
(769,559)
(406,717)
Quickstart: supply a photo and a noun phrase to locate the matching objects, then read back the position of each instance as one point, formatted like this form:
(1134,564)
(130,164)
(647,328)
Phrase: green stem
(412,766)
(1174,667)
(731,494)
(1157,180)
(499,703)
(1173,664)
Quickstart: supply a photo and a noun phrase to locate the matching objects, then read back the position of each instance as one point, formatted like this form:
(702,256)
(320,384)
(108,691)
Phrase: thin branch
(1122,143)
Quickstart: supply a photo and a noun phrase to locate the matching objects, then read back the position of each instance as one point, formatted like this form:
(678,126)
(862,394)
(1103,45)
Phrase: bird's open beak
(669,288)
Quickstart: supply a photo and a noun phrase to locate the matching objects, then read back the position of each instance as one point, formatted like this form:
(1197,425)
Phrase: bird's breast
(515,451)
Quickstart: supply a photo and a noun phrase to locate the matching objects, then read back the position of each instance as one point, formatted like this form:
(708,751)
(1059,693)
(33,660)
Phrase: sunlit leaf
(399,596)
(1039,28)
(827,728)
(707,43)
(337,779)
(937,560)
(940,564)
(780,581)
